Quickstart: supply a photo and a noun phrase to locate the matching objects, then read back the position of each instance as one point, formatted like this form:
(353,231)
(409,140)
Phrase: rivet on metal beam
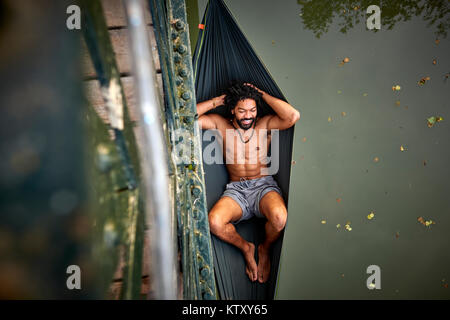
(207,296)
(177,58)
(181,49)
(179,25)
(196,191)
(183,72)
(204,272)
(186,95)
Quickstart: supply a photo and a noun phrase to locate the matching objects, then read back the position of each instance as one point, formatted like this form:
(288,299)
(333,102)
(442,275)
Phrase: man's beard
(245,126)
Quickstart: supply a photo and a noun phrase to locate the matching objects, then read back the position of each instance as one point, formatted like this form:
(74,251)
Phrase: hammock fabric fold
(223,55)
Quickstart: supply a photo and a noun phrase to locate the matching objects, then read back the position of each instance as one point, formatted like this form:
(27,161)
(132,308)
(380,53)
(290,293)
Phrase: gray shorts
(248,193)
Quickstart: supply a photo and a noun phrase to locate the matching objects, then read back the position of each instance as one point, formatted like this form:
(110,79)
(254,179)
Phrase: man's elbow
(294,117)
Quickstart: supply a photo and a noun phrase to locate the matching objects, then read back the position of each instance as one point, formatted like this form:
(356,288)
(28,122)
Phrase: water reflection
(369,140)
(318,15)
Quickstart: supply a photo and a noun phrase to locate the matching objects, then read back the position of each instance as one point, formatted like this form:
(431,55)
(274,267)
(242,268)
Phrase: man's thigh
(226,210)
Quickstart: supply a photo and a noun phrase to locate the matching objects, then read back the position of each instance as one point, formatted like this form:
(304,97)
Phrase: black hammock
(223,55)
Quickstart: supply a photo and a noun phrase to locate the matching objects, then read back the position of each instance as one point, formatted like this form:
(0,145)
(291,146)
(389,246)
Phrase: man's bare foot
(251,269)
(263,264)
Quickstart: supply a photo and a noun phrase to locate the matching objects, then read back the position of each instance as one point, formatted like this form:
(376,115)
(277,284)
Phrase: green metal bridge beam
(172,36)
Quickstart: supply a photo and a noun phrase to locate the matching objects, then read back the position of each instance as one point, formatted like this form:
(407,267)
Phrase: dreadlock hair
(239,91)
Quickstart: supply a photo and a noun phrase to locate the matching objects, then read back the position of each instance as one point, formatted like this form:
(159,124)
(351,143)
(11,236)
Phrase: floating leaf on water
(424,163)
(429,223)
(343,113)
(304,139)
(431,121)
(371,215)
(397,235)
(338,200)
(273,42)
(396,88)
(434,61)
(338,225)
(294,162)
(402,148)
(344,61)
(397,103)
(423,80)
(376,159)
(339,91)
(323,221)
(329,119)
(437,41)
(424,222)
(347,226)
(364,94)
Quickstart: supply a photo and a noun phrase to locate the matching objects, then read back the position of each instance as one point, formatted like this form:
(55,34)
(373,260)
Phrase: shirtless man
(249,192)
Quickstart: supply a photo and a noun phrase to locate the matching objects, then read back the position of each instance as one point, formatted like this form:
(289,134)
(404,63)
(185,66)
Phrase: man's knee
(278,218)
(216,223)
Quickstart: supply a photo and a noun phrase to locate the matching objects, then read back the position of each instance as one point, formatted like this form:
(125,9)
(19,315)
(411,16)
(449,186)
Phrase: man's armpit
(264,121)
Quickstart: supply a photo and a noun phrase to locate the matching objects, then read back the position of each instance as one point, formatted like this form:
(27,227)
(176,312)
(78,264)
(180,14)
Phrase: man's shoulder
(220,120)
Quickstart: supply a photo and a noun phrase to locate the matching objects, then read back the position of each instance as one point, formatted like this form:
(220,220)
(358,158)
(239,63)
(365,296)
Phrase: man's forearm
(283,109)
(205,106)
